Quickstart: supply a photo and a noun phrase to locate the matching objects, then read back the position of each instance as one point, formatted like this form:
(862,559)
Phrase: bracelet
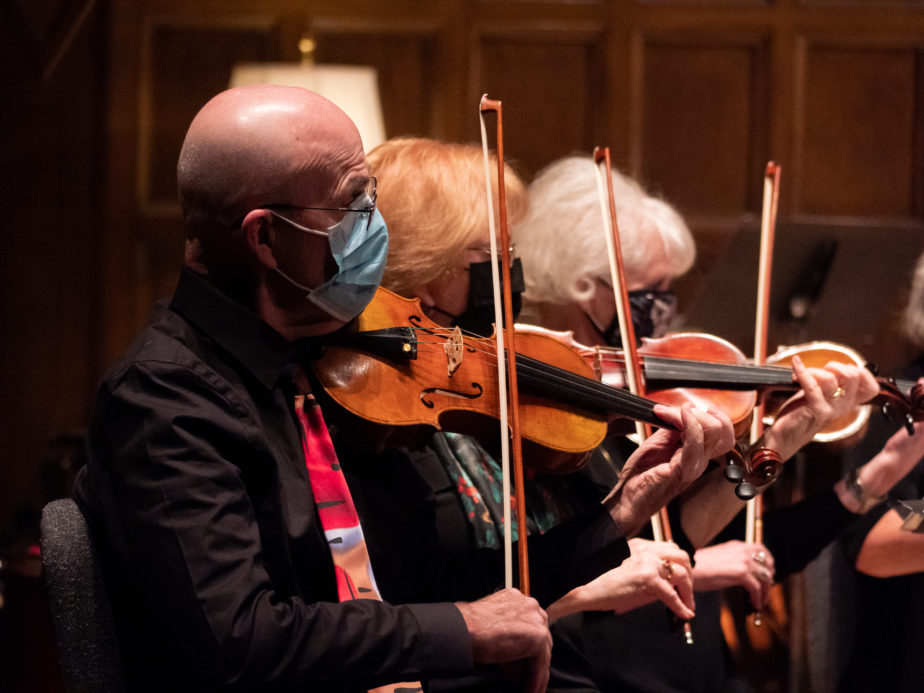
(855,487)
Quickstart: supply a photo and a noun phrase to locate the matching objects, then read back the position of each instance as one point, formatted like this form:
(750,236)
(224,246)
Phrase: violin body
(899,400)
(674,371)
(458,392)
(420,375)
(815,355)
(709,371)
(668,386)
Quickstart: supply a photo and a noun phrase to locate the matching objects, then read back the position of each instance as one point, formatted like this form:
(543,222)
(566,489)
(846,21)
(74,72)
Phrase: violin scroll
(898,405)
(758,467)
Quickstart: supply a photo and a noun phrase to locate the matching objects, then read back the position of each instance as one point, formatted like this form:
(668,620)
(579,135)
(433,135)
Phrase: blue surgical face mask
(359,245)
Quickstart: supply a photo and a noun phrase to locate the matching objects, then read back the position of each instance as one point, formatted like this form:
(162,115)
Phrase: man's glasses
(355,217)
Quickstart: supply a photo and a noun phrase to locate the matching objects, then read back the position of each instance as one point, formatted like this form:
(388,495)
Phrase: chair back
(80,610)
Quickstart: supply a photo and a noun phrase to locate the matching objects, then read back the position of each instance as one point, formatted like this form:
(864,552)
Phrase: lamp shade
(353,88)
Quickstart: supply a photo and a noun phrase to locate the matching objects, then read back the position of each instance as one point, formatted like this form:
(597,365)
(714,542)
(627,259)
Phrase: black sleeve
(795,534)
(574,553)
(168,449)
(421,547)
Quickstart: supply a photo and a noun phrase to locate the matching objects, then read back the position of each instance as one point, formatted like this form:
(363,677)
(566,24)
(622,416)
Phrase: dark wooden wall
(692,96)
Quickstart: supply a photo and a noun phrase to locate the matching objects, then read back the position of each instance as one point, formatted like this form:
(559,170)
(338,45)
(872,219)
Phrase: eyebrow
(358,185)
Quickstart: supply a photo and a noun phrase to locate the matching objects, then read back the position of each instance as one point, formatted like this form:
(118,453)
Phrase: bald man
(196,488)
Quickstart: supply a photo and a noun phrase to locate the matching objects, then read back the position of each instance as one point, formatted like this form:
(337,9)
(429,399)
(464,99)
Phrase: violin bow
(753,532)
(660,523)
(509,410)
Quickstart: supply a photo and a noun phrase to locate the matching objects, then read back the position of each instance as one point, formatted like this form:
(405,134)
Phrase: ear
(260,237)
(427,299)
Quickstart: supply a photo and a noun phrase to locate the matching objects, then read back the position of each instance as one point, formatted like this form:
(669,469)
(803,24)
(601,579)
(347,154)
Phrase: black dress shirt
(643,651)
(199,501)
(886,640)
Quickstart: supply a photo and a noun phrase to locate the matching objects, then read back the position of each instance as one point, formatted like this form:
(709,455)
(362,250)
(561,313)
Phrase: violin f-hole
(478,392)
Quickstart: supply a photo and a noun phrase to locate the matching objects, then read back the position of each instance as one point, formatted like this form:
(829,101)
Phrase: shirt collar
(250,340)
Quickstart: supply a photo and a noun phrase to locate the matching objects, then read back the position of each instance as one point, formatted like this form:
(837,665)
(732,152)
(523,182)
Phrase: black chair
(80,610)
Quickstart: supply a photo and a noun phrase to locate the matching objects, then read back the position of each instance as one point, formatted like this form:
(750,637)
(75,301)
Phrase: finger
(719,433)
(807,381)
(683,584)
(679,557)
(537,670)
(757,592)
(666,569)
(770,565)
(858,383)
(669,415)
(692,434)
(672,599)
(844,394)
(537,674)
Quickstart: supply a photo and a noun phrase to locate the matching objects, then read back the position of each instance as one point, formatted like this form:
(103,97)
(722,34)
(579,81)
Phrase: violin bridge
(453,347)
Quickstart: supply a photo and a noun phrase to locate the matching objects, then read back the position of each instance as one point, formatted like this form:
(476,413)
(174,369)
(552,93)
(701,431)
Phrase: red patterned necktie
(338,514)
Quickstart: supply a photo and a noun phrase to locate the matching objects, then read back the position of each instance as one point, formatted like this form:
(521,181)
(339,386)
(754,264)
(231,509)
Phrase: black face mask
(478,316)
(652,314)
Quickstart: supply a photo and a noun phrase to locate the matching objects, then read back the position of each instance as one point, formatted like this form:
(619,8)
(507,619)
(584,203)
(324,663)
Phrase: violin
(899,400)
(705,369)
(395,367)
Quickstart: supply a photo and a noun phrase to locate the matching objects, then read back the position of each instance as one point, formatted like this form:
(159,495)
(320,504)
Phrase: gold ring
(668,567)
(839,392)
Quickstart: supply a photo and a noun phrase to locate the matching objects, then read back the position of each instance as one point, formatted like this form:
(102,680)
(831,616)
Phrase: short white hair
(913,318)
(561,240)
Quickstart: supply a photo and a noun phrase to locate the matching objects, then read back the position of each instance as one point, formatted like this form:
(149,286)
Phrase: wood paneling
(184,64)
(858,130)
(703,115)
(53,142)
(540,125)
(407,67)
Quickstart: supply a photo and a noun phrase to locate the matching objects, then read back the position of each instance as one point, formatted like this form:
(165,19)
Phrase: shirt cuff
(447,646)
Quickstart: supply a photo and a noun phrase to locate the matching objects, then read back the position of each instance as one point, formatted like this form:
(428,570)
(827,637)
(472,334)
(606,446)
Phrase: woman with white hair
(563,247)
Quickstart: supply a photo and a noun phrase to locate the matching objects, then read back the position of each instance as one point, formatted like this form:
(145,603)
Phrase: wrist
(862,500)
(617,510)
(566,605)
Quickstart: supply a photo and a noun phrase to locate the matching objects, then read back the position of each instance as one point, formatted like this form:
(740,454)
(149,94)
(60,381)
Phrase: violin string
(566,382)
(707,372)
(579,389)
(702,373)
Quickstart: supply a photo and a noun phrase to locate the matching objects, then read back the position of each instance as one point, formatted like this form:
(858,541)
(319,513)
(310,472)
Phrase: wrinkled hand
(667,462)
(656,570)
(511,629)
(826,394)
(745,564)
